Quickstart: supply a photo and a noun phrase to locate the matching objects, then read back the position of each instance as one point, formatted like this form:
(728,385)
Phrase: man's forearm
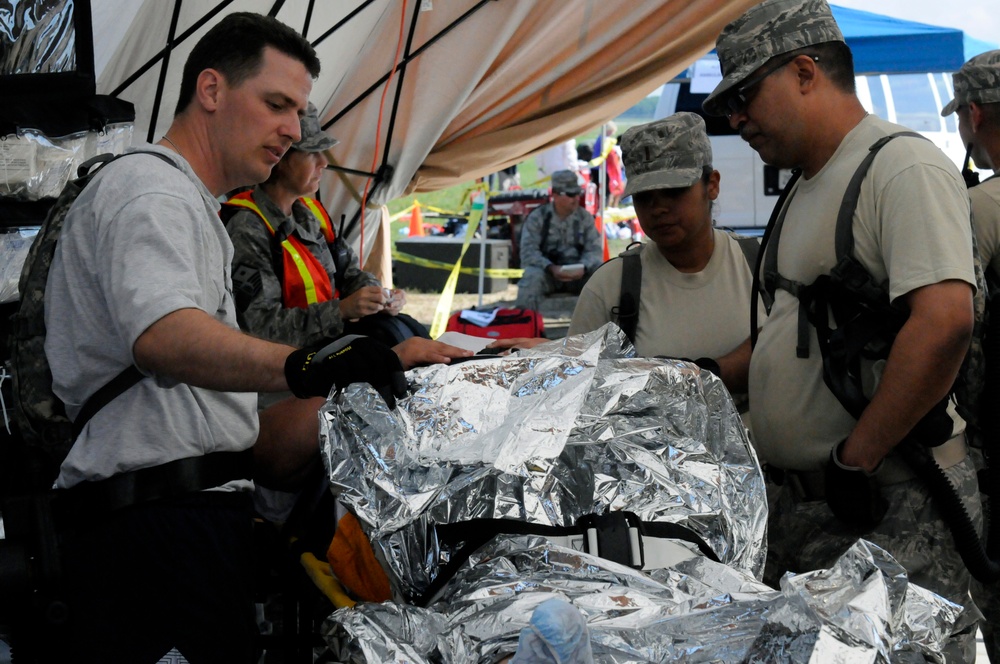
(190,346)
(921,368)
(735,367)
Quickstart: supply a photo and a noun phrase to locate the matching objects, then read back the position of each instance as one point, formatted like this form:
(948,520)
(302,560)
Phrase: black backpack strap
(102,397)
(131,375)
(763,262)
(845,216)
(627,311)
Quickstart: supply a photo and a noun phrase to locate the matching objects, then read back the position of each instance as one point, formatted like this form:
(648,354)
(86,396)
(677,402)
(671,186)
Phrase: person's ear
(713,185)
(209,89)
(975,116)
(806,70)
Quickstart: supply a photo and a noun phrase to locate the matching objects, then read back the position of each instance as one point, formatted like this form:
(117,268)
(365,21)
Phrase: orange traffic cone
(604,238)
(416,221)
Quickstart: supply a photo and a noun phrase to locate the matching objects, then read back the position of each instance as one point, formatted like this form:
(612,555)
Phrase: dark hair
(991,113)
(235,48)
(706,173)
(836,61)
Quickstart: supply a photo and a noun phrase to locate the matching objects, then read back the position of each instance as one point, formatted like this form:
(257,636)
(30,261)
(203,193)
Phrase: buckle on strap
(614,536)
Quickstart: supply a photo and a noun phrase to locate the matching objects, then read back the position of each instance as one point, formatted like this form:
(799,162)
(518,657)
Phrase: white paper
(706,74)
(466,341)
(478,317)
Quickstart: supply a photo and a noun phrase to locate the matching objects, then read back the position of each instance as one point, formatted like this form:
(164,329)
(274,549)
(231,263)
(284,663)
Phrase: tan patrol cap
(666,154)
(771,28)
(978,80)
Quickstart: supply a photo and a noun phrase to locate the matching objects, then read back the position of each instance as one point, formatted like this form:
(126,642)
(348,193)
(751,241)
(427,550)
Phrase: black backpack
(627,311)
(46,432)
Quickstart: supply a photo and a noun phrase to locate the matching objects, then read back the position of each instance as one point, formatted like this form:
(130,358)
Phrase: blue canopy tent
(886,45)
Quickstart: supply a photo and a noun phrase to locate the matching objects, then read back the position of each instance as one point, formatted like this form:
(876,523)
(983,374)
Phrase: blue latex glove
(557,635)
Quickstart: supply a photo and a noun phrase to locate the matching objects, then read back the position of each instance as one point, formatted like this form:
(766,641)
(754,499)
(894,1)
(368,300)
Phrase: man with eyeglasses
(788,88)
(977,103)
(560,246)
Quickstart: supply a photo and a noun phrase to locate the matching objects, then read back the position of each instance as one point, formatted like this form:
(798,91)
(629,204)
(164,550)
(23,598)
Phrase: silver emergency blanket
(860,610)
(546,437)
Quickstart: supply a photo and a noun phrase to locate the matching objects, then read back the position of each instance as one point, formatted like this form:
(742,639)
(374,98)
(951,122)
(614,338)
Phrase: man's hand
(312,372)
(518,342)
(559,274)
(853,494)
(362,302)
(418,352)
(397,300)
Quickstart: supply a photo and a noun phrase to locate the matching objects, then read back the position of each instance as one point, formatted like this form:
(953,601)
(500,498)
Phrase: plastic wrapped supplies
(545,437)
(34,166)
(14,246)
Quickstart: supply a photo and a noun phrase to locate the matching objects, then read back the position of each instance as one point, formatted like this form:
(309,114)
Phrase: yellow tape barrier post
(443,310)
(492,272)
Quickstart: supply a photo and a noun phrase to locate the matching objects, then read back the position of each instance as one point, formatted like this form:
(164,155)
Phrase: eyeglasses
(740,100)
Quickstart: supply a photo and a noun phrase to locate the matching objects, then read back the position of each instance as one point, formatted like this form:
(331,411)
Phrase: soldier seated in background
(560,246)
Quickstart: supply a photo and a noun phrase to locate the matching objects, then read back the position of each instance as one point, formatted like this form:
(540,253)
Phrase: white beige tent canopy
(425,94)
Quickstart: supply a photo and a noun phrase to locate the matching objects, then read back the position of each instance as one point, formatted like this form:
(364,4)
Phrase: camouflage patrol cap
(314,139)
(773,27)
(566,182)
(666,154)
(978,80)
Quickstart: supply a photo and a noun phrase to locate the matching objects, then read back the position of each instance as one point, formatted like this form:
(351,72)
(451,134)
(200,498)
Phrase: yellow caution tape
(443,311)
(495,273)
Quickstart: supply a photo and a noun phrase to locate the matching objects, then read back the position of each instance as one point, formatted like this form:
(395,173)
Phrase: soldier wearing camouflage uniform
(788,88)
(259,289)
(572,238)
(977,103)
(686,264)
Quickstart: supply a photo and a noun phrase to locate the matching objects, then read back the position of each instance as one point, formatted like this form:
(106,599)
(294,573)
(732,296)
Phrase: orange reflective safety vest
(305,280)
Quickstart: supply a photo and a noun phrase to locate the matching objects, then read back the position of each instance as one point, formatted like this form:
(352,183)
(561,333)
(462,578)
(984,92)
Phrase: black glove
(854,495)
(312,372)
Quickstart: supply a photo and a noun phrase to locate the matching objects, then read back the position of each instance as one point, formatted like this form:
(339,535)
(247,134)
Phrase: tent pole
(451,26)
(341,23)
(309,13)
(171,45)
(162,80)
(401,74)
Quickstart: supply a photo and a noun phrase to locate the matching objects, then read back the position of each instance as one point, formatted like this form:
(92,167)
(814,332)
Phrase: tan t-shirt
(692,315)
(985,200)
(911,229)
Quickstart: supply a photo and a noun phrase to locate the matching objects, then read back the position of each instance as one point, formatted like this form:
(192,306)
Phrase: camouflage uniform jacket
(257,288)
(571,240)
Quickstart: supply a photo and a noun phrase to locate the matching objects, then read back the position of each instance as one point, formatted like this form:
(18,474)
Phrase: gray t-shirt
(911,229)
(143,240)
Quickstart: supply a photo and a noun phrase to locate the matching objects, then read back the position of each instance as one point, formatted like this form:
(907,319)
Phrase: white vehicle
(749,187)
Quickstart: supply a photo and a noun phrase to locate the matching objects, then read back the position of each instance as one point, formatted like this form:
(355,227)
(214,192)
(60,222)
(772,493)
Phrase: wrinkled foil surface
(571,428)
(548,436)
(860,610)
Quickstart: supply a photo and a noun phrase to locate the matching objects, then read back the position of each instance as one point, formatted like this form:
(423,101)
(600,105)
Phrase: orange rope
(378,128)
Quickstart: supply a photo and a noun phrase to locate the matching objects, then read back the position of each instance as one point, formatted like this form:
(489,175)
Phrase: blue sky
(978,18)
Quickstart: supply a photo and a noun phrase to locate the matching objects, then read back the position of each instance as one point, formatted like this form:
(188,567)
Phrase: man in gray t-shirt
(141,277)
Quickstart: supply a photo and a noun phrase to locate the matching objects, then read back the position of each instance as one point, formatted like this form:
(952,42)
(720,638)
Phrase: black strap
(762,255)
(102,397)
(174,478)
(131,375)
(845,216)
(474,533)
(627,311)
